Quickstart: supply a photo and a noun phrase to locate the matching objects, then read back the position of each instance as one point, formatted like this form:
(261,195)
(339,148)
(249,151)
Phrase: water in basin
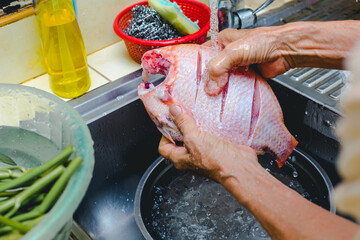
(194,207)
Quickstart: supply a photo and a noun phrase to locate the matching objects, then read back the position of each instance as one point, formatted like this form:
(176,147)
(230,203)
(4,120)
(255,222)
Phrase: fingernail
(213,84)
(211,87)
(175,110)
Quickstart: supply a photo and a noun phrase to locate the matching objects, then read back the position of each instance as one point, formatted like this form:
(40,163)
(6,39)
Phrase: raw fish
(246,112)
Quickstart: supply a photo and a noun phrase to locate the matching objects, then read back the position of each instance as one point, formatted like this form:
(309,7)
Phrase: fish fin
(168,128)
(166,134)
(282,159)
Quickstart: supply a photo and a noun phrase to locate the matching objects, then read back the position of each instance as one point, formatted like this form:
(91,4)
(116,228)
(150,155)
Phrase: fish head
(157,101)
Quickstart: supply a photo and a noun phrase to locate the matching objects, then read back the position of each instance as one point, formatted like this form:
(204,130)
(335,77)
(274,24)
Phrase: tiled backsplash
(96,20)
(20,52)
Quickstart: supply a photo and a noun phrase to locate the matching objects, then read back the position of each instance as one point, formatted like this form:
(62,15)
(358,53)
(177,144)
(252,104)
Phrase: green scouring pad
(172,13)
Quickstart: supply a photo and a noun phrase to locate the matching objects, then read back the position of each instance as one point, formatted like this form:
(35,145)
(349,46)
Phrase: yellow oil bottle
(63,48)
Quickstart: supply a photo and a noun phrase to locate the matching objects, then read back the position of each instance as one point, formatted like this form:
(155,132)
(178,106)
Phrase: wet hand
(202,152)
(260,46)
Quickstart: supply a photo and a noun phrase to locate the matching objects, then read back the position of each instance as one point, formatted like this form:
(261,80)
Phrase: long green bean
(17,200)
(59,159)
(14,233)
(54,192)
(11,193)
(15,224)
(23,190)
(10,174)
(13,168)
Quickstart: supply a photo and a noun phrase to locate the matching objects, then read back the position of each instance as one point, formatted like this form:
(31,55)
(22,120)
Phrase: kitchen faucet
(231,15)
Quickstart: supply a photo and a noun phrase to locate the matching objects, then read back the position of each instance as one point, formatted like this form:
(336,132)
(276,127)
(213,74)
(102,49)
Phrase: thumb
(218,72)
(184,120)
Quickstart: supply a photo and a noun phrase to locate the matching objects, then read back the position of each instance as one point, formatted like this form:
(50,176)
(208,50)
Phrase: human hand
(274,50)
(260,46)
(202,152)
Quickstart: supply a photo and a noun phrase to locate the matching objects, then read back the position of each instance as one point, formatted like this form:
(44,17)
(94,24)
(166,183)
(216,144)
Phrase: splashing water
(194,207)
(292,159)
(214,25)
(203,74)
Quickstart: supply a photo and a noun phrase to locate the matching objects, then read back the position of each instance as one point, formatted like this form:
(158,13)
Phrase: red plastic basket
(136,47)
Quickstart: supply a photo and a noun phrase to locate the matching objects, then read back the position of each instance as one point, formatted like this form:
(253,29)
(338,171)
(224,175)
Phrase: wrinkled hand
(260,46)
(202,152)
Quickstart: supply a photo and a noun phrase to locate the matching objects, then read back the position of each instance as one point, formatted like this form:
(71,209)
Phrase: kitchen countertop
(105,65)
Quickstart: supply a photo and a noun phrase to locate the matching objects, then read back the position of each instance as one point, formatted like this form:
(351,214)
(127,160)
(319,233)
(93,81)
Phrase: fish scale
(247,113)
(209,114)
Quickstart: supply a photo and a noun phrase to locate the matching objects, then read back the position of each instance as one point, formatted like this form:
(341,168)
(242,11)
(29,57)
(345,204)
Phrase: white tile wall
(113,62)
(96,18)
(20,51)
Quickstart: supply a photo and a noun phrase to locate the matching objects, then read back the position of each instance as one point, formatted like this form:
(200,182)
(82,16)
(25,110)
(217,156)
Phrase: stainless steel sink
(126,143)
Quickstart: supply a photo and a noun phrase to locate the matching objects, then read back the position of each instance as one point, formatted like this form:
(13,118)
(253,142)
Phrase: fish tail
(281,159)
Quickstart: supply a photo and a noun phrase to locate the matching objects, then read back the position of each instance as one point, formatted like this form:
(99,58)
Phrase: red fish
(246,112)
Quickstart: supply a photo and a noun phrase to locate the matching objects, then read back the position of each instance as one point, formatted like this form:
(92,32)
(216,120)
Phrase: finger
(237,54)
(230,35)
(216,83)
(218,70)
(227,36)
(169,150)
(273,68)
(184,120)
(178,155)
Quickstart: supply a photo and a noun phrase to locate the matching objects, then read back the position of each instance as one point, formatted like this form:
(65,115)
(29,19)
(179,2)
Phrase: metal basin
(158,188)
